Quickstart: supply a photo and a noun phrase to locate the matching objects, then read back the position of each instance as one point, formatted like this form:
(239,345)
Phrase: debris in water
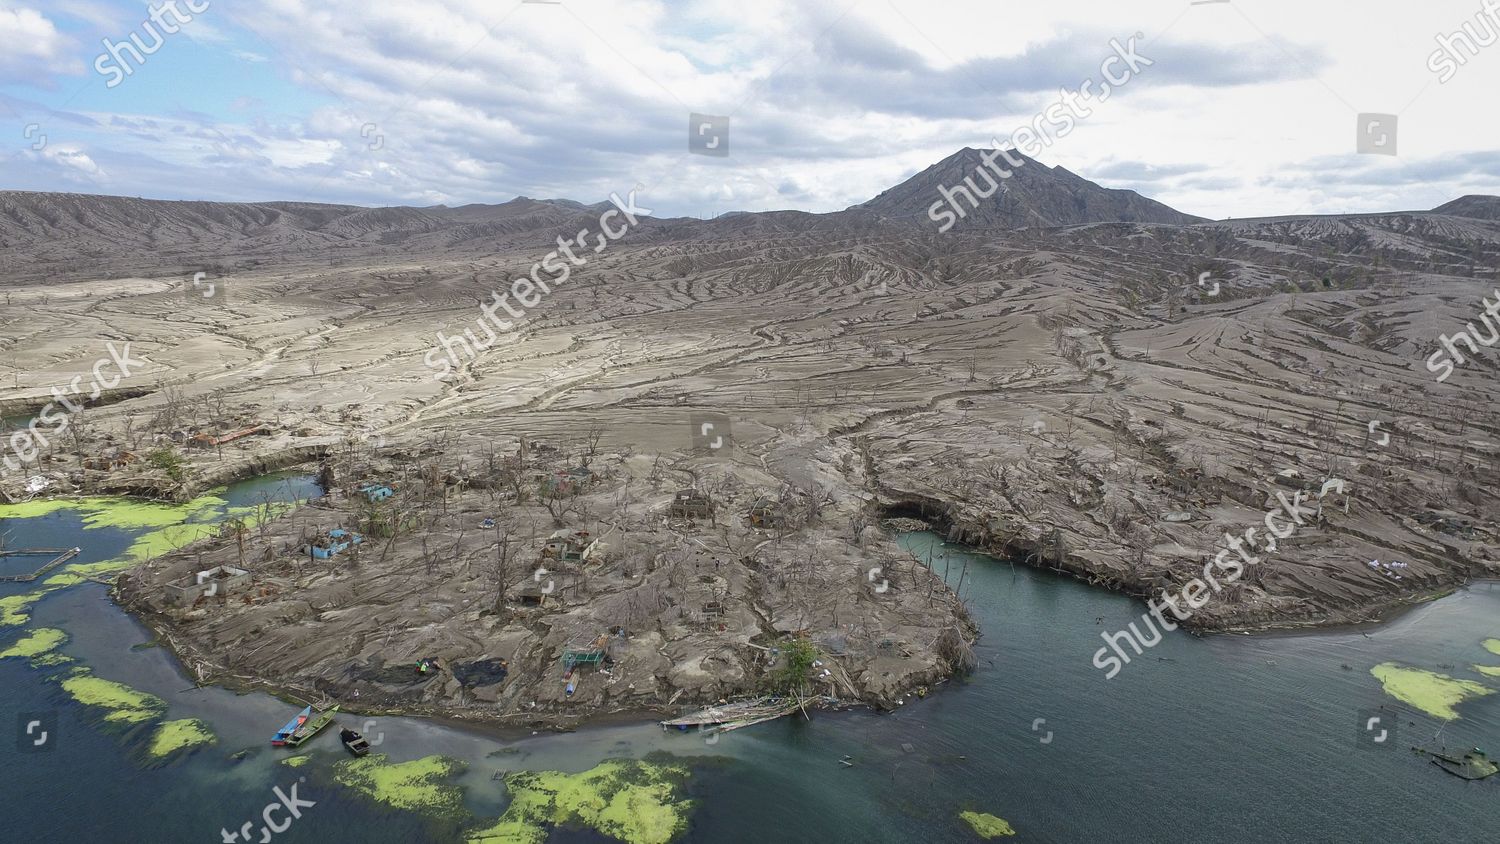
(1473,765)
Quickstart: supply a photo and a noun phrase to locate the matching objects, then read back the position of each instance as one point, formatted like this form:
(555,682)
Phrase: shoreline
(521,725)
(365,676)
(205,668)
(1382,611)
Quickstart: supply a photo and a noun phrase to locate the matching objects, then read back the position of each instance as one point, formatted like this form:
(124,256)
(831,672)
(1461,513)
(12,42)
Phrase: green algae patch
(128,514)
(296,761)
(1486,670)
(985,825)
(1492,645)
(165,540)
(133,514)
(173,737)
(40,647)
(627,800)
(161,527)
(416,786)
(158,528)
(1436,694)
(508,832)
(36,508)
(15,610)
(190,525)
(123,705)
(51,659)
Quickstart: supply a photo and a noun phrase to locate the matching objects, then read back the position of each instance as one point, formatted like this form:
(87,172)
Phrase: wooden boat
(354,742)
(303,727)
(1472,766)
(733,716)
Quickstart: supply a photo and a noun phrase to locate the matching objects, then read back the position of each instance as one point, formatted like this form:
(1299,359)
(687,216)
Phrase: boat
(1471,766)
(354,742)
(303,727)
(734,716)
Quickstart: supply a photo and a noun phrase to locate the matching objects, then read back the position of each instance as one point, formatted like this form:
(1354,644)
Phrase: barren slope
(1072,395)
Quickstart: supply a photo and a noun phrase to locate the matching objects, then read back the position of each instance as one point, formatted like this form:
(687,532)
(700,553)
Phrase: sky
(1246,108)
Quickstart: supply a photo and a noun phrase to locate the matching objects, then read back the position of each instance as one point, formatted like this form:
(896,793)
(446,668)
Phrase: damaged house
(217,581)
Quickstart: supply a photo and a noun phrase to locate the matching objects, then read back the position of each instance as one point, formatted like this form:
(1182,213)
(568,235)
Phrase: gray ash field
(1107,391)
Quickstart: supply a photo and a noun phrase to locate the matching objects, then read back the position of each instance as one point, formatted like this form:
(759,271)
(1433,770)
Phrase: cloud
(35,50)
(829,105)
(1143,171)
(859,69)
(63,165)
(73,158)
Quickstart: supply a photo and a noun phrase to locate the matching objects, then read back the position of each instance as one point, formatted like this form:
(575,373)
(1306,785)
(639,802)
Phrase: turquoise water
(1223,739)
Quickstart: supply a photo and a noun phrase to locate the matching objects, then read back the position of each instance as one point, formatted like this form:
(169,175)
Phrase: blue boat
(303,727)
(285,734)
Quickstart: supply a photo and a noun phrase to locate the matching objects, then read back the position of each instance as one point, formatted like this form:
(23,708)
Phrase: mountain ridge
(68,235)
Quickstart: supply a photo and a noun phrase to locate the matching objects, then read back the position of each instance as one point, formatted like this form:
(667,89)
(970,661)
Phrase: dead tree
(592,436)
(503,542)
(559,503)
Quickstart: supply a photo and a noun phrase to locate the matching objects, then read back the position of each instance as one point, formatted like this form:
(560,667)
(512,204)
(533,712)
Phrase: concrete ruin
(691,504)
(766,513)
(209,583)
(570,546)
(567,481)
(331,543)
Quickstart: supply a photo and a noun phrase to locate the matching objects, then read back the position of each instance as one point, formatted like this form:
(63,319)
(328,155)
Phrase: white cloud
(34,48)
(1247,109)
(74,158)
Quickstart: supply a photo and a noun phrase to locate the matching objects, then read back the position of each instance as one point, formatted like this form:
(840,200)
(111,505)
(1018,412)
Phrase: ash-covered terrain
(1082,379)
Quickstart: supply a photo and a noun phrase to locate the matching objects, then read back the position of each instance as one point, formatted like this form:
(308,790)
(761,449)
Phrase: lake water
(1223,739)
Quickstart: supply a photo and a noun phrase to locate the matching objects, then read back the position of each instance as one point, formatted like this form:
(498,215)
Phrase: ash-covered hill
(1478,206)
(65,236)
(1033,196)
(75,236)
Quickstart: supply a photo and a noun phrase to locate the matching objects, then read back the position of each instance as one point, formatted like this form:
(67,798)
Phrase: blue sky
(1248,108)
